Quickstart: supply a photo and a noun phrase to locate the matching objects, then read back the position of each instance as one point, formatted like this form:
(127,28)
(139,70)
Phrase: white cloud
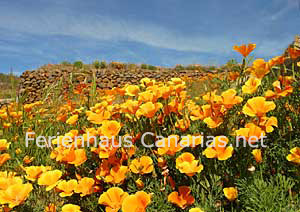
(286,6)
(59,22)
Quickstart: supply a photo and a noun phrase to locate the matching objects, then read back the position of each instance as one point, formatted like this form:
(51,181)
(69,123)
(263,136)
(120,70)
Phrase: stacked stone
(34,83)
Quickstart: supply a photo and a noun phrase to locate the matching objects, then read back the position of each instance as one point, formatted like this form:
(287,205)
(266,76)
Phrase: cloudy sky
(159,32)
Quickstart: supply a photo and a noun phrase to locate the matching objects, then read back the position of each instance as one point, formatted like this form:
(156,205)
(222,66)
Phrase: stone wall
(34,83)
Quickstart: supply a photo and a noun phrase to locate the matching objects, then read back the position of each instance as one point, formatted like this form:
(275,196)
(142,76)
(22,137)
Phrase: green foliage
(65,62)
(268,195)
(78,64)
(179,67)
(144,66)
(151,67)
(103,64)
(8,85)
(99,64)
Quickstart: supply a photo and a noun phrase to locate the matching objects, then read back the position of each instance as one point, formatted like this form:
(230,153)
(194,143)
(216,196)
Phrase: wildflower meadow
(227,167)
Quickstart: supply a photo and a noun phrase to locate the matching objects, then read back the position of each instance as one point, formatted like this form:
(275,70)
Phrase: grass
(8,86)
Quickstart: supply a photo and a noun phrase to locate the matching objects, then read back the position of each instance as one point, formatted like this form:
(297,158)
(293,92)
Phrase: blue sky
(158,32)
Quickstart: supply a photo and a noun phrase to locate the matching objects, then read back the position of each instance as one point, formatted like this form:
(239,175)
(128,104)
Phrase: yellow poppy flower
(137,202)
(230,193)
(67,187)
(70,208)
(112,198)
(251,85)
(294,156)
(143,165)
(187,164)
(257,155)
(85,186)
(72,120)
(15,194)
(50,179)
(258,106)
(218,149)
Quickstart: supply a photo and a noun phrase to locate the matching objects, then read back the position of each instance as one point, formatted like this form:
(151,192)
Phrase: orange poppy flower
(50,208)
(233,75)
(183,198)
(257,155)
(70,208)
(4,145)
(258,106)
(97,118)
(50,179)
(218,149)
(106,151)
(8,179)
(103,169)
(116,175)
(191,140)
(276,61)
(79,157)
(18,151)
(213,122)
(143,165)
(148,109)
(252,133)
(166,91)
(72,120)
(269,94)
(245,50)
(183,124)
(230,193)
(63,154)
(3,158)
(187,164)
(279,91)
(130,106)
(85,186)
(132,90)
(268,123)
(294,53)
(229,98)
(147,82)
(112,199)
(6,125)
(294,156)
(251,85)
(137,202)
(212,98)
(259,68)
(201,113)
(139,183)
(110,128)
(34,172)
(67,187)
(27,159)
(15,194)
(147,96)
(169,145)
(161,162)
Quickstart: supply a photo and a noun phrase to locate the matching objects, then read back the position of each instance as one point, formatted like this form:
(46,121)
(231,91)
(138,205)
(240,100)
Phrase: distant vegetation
(8,85)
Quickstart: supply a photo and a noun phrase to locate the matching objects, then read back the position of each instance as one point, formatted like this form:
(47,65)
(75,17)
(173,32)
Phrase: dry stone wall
(34,83)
